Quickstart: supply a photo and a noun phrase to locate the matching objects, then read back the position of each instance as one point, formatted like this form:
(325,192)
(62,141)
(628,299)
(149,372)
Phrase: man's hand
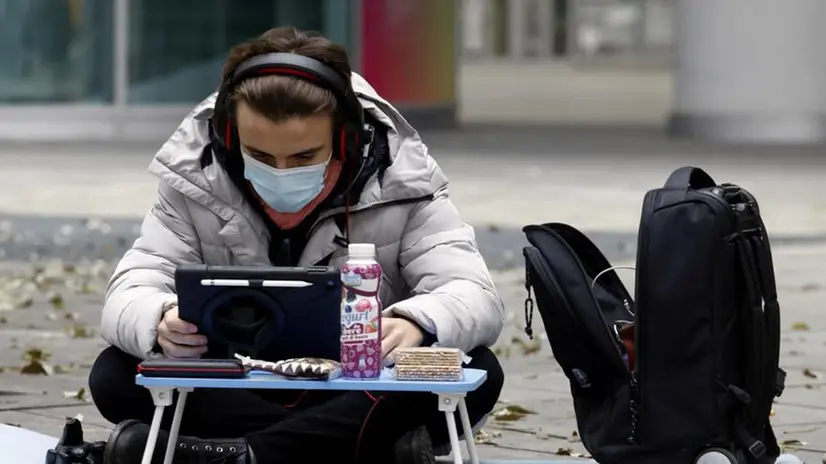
(398,333)
(178,338)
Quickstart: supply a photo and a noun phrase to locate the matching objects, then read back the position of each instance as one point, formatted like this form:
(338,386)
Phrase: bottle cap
(361,250)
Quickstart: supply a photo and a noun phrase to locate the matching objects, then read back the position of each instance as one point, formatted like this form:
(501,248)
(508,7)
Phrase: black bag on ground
(693,364)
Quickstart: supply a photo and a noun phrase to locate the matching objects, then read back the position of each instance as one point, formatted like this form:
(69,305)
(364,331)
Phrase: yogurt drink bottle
(361,313)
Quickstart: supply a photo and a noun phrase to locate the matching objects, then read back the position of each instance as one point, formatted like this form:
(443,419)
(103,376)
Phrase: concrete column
(517,25)
(545,17)
(750,71)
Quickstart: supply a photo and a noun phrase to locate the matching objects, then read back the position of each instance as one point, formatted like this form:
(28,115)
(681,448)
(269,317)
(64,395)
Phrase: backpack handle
(689,177)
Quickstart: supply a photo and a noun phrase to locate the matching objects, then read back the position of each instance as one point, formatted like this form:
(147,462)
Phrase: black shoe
(71,448)
(128,440)
(415,448)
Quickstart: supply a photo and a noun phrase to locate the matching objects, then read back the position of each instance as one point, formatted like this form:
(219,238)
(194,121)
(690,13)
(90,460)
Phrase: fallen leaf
(510,413)
(36,354)
(800,326)
(80,331)
(37,368)
(483,437)
(810,373)
(575,436)
(36,362)
(791,444)
(58,369)
(56,301)
(502,352)
(87,289)
(570,452)
(81,394)
(527,347)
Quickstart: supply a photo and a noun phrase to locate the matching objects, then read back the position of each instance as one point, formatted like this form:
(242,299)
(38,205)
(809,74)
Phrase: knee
(483,358)
(110,382)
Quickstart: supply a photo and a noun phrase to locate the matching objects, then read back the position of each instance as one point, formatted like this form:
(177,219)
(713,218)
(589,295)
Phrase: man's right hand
(178,338)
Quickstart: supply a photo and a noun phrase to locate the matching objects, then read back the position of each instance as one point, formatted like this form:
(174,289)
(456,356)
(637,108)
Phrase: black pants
(285,426)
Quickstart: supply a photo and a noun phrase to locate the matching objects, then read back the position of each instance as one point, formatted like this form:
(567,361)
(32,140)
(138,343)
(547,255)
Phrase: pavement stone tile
(53,419)
(792,413)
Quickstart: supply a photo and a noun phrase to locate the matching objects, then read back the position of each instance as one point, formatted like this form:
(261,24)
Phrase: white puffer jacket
(433,271)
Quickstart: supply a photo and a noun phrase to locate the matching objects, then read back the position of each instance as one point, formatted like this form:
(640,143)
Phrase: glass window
(56,51)
(177,48)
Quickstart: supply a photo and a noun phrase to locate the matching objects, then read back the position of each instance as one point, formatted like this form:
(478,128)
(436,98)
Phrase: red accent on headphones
(282,71)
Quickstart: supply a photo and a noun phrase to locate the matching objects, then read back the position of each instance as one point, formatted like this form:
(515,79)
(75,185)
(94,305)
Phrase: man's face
(292,143)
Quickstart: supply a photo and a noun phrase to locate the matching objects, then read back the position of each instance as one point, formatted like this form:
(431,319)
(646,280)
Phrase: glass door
(177,48)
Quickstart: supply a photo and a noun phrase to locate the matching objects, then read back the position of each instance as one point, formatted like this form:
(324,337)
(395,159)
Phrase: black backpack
(690,368)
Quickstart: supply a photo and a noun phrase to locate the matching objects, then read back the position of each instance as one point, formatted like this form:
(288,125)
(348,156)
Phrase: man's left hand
(398,333)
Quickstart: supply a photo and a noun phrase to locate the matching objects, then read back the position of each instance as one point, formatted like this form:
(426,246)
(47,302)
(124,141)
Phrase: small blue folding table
(451,397)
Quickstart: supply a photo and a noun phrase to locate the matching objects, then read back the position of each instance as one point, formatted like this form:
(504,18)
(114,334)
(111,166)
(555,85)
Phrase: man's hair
(279,97)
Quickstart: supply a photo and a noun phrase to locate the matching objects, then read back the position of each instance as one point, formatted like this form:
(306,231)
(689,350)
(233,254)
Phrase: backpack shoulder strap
(767,379)
(771,307)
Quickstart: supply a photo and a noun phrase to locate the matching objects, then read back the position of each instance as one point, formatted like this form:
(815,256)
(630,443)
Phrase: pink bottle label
(361,322)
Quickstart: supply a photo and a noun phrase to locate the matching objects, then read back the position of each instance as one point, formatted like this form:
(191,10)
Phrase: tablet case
(193,368)
(271,313)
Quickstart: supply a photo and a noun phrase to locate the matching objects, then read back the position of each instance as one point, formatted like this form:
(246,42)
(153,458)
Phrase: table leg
(454,437)
(176,425)
(162,397)
(467,429)
(448,404)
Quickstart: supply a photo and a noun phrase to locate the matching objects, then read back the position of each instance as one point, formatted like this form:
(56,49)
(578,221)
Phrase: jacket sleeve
(144,281)
(453,293)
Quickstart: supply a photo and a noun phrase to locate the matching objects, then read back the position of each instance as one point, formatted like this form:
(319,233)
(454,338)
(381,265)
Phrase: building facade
(591,30)
(103,69)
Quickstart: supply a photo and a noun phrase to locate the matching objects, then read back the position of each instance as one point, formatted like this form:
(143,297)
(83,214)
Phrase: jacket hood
(412,173)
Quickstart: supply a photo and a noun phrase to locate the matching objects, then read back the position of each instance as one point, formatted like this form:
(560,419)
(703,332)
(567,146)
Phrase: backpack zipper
(632,406)
(636,403)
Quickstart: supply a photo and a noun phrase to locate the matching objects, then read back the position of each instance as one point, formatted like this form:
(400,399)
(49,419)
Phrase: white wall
(750,70)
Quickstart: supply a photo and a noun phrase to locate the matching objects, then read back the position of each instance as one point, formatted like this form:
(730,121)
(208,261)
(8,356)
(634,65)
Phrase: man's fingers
(389,343)
(174,350)
(177,325)
(186,339)
(387,327)
(389,360)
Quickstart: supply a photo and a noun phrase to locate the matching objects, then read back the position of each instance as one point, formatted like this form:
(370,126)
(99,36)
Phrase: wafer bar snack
(439,364)
(428,357)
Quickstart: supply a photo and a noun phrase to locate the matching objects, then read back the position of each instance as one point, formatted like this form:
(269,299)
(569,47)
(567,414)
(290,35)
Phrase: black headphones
(353,137)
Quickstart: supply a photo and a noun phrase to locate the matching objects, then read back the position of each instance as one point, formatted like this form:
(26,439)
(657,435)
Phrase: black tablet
(271,313)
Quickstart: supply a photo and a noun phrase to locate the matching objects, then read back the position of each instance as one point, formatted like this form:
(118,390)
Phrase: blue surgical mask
(285,190)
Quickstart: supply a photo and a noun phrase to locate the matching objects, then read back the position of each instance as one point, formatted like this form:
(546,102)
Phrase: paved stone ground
(51,198)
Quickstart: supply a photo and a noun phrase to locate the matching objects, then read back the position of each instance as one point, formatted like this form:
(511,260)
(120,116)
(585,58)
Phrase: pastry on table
(296,368)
